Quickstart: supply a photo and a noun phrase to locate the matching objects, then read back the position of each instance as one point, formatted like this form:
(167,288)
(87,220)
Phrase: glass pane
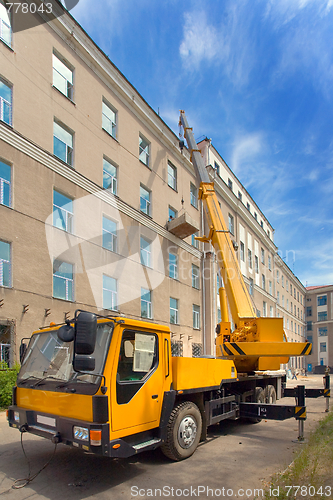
(107,240)
(145,295)
(7,113)
(109,283)
(109,225)
(59,218)
(106,124)
(6,194)
(59,149)
(59,288)
(59,82)
(4,171)
(62,134)
(63,269)
(108,167)
(5,92)
(6,33)
(4,14)
(173,303)
(107,299)
(4,250)
(62,69)
(6,274)
(69,290)
(107,111)
(62,201)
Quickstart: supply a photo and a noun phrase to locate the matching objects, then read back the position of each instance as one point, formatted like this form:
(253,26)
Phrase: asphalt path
(237,461)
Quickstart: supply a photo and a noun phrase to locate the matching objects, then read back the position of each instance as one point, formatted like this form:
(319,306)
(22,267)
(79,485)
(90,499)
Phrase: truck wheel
(259,397)
(184,431)
(270,394)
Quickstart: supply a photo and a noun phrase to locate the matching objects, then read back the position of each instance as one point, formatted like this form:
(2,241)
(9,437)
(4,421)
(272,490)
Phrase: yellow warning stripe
(300,412)
(327,393)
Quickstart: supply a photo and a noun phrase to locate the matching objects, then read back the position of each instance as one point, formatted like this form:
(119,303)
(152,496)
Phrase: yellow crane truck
(109,385)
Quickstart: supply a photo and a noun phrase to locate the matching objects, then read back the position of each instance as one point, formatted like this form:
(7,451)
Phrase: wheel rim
(187,432)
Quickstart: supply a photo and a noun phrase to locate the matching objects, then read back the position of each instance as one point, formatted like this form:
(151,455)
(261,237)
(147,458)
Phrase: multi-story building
(319,326)
(91,182)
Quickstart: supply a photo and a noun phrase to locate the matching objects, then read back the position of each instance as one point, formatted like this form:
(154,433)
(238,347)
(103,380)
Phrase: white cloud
(245,150)
(200,41)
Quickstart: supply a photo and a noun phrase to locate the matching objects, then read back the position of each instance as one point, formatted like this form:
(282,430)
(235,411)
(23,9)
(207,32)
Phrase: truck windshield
(48,363)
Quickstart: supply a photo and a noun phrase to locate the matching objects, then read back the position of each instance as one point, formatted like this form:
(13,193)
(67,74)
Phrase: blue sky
(255,76)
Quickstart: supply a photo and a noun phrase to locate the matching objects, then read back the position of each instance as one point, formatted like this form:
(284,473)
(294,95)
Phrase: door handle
(154,396)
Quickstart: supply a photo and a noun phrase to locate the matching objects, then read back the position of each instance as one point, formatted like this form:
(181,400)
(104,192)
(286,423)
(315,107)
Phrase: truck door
(138,382)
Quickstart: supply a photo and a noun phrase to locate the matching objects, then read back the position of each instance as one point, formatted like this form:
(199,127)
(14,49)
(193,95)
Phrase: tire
(183,432)
(259,397)
(270,395)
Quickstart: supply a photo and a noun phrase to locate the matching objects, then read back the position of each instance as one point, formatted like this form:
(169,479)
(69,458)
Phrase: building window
(176,348)
(263,282)
(172,213)
(249,257)
(146,305)
(282,300)
(291,289)
(63,143)
(270,287)
(242,251)
(173,266)
(240,196)
(278,298)
(251,286)
(248,206)
(309,311)
(196,317)
(194,195)
(282,280)
(264,309)
(231,224)
(195,243)
(322,347)
(5,267)
(256,216)
(109,119)
(269,263)
(277,276)
(62,77)
(262,224)
(174,311)
(172,176)
(196,350)
(5,184)
(5,24)
(291,307)
(5,103)
(256,264)
(195,276)
(322,332)
(63,280)
(145,252)
(271,311)
(109,293)
(109,176)
(309,326)
(109,235)
(263,256)
(322,300)
(322,316)
(62,212)
(145,200)
(230,184)
(144,148)
(287,304)
(217,168)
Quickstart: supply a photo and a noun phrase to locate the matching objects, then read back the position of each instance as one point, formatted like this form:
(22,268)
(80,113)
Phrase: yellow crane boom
(234,296)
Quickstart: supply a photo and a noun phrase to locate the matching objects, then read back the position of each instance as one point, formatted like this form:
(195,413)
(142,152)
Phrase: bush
(7,382)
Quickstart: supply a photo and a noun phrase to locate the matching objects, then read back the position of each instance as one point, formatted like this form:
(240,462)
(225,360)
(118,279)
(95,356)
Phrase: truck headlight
(17,416)
(81,433)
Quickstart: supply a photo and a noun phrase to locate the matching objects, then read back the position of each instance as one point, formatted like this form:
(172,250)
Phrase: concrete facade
(90,176)
(319,326)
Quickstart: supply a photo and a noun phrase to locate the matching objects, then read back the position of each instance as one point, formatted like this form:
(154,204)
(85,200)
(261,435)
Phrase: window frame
(9,264)
(106,174)
(231,220)
(145,250)
(193,195)
(70,85)
(173,266)
(106,120)
(144,150)
(148,203)
(69,220)
(114,294)
(172,179)
(4,182)
(10,18)
(114,237)
(195,277)
(9,86)
(145,291)
(196,317)
(67,281)
(176,309)
(69,149)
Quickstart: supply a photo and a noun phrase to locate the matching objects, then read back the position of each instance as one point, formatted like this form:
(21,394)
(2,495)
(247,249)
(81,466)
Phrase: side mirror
(23,350)
(66,333)
(85,333)
(84,363)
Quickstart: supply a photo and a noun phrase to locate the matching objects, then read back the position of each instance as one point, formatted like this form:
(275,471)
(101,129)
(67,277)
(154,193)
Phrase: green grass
(313,467)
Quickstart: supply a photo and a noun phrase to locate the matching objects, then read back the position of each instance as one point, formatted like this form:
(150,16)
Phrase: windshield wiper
(24,380)
(42,380)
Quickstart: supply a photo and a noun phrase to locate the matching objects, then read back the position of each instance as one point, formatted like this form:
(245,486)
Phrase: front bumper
(58,429)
